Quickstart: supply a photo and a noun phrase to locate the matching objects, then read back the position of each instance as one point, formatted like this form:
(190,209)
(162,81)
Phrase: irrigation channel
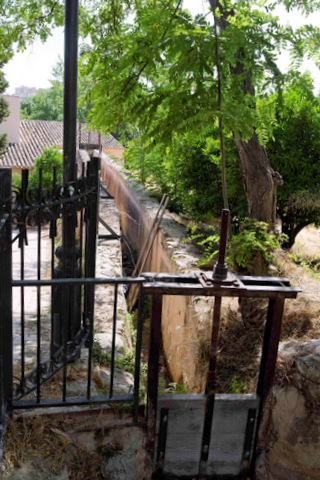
(108,264)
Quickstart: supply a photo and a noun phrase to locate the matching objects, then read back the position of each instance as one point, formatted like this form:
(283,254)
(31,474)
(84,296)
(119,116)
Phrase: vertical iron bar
(270,347)
(91,232)
(69,157)
(137,365)
(5,295)
(53,233)
(81,244)
(70,90)
(24,186)
(91,326)
(210,388)
(268,361)
(65,314)
(220,271)
(114,328)
(153,366)
(39,288)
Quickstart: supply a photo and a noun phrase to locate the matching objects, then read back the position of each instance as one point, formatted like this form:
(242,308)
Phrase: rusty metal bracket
(231,280)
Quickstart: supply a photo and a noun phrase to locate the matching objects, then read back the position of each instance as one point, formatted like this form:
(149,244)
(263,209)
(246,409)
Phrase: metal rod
(107,227)
(153,366)
(220,271)
(24,186)
(53,232)
(114,328)
(210,387)
(39,287)
(145,251)
(137,365)
(81,243)
(70,89)
(268,360)
(6,377)
(270,347)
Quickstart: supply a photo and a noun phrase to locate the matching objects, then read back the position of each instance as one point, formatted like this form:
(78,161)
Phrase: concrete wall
(182,317)
(11,125)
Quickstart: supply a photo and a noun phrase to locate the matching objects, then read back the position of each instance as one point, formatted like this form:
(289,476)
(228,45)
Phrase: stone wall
(289,437)
(183,318)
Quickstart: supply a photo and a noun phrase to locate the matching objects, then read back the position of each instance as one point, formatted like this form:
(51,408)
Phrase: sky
(33,67)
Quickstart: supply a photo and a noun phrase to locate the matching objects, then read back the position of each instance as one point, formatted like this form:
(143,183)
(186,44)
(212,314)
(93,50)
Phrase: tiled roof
(35,135)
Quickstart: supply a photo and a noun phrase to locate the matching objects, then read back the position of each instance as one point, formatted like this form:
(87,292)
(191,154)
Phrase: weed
(312,264)
(236,385)
(203,351)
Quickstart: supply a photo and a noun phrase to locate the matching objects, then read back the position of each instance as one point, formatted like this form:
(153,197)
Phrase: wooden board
(184,429)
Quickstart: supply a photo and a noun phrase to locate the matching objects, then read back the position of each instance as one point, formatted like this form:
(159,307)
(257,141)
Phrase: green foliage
(295,152)
(51,157)
(207,239)
(253,239)
(127,361)
(4,112)
(189,172)
(171,387)
(153,65)
(47,104)
(313,264)
(236,385)
(21,22)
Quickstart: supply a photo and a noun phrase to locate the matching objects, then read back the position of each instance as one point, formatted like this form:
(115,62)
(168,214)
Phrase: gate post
(153,367)
(91,240)
(5,292)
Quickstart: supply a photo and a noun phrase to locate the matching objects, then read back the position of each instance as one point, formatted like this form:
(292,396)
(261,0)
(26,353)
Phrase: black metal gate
(71,316)
(35,346)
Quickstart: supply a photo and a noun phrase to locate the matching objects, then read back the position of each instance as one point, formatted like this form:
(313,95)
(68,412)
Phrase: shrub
(51,157)
(253,240)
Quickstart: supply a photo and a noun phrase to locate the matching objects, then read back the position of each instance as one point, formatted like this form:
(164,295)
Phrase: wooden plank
(185,429)
(182,421)
(132,292)
(225,454)
(230,416)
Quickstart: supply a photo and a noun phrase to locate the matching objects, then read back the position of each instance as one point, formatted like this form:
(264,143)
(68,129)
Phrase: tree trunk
(259,180)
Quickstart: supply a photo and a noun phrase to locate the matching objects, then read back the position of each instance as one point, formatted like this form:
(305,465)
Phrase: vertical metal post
(153,366)
(70,89)
(5,293)
(270,347)
(137,367)
(70,115)
(220,271)
(70,302)
(268,361)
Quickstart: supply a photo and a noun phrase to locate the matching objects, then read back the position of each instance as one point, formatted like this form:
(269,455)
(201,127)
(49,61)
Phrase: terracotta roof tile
(35,135)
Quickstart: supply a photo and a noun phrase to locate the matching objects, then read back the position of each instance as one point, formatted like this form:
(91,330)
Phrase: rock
(105,341)
(123,381)
(28,471)
(291,439)
(78,388)
(120,467)
(309,367)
